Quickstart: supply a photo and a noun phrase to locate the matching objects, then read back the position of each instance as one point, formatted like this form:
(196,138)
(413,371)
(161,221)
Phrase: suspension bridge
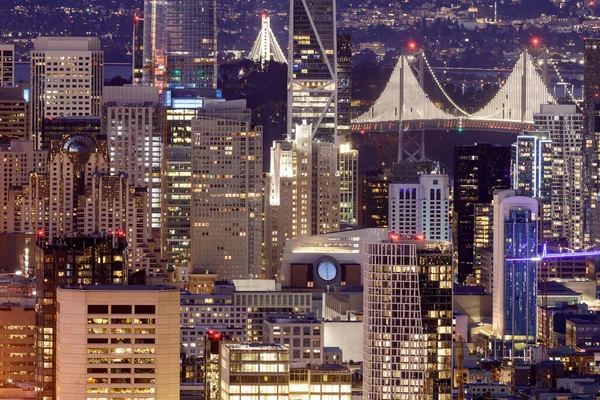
(406,108)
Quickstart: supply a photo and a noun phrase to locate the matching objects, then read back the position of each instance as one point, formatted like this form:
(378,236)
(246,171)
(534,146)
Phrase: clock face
(327,270)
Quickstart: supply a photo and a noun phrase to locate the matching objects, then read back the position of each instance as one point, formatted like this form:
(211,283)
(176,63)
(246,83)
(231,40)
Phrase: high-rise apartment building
(132,120)
(407,351)
(85,260)
(180,44)
(227,199)
(532,169)
(137,51)
(515,272)
(117,340)
(7,65)
(565,127)
(20,159)
(312,69)
(14,113)
(483,238)
(478,170)
(303,191)
(422,208)
(67,77)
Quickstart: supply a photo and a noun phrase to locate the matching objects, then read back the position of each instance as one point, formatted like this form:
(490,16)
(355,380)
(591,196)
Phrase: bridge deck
(446,124)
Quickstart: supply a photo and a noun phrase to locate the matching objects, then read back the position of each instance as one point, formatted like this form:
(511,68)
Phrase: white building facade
(67,77)
(422,208)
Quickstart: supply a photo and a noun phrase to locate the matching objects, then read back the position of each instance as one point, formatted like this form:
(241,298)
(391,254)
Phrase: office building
(407,352)
(333,382)
(565,127)
(17,339)
(14,113)
(227,200)
(302,334)
(303,190)
(132,121)
(478,170)
(180,44)
(137,51)
(532,170)
(117,340)
(85,260)
(312,69)
(348,157)
(75,195)
(260,303)
(348,172)
(482,244)
(373,203)
(67,77)
(262,369)
(52,126)
(422,208)
(591,126)
(515,274)
(21,159)
(7,65)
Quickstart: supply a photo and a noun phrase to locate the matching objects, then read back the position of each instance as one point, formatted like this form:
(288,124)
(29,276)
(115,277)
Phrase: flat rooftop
(121,288)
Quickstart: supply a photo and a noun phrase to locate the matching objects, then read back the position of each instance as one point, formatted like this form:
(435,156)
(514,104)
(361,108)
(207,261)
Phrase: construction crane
(460,378)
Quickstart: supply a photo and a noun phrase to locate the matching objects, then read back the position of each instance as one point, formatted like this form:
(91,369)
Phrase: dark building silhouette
(373,199)
(478,171)
(82,260)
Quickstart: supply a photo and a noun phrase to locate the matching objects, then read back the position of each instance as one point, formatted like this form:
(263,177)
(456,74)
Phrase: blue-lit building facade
(515,272)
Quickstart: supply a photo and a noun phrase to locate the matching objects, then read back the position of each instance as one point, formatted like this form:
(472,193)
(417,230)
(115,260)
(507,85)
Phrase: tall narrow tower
(312,71)
(266,47)
(180,44)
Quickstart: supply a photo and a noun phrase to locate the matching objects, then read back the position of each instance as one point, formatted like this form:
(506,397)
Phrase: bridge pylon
(411,144)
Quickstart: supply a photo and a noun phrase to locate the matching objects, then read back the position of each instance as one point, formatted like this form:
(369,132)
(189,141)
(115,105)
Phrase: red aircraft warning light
(535,41)
(412,45)
(40,233)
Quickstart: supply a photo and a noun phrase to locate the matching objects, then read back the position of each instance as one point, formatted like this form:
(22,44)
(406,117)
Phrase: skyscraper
(312,68)
(532,170)
(515,273)
(180,44)
(227,199)
(67,77)
(303,190)
(132,120)
(14,113)
(478,171)
(137,51)
(7,65)
(565,127)
(88,260)
(591,119)
(74,195)
(407,351)
(422,208)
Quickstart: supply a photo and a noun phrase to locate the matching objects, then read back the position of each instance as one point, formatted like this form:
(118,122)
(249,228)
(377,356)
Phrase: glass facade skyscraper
(515,272)
(312,68)
(180,44)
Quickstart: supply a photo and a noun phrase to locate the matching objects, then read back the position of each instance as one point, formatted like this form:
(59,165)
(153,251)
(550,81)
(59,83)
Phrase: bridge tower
(266,46)
(411,144)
